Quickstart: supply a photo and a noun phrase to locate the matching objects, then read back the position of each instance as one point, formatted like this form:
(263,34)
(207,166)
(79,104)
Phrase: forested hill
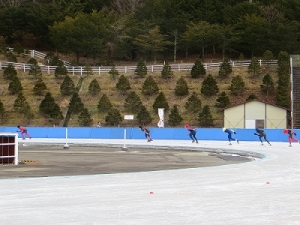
(111,30)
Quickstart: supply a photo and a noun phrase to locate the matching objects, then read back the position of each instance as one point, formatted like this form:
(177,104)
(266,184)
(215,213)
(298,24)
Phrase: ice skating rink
(264,191)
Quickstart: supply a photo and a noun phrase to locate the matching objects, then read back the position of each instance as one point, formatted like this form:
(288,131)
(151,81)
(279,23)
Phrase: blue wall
(156,133)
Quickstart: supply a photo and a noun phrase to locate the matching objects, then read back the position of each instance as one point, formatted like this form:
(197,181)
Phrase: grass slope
(108,86)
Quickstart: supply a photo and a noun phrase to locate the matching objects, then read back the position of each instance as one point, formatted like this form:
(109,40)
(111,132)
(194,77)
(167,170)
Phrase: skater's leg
(194,136)
(28,135)
(260,139)
(295,139)
(265,137)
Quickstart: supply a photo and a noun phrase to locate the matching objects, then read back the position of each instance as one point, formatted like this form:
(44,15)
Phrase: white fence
(125,69)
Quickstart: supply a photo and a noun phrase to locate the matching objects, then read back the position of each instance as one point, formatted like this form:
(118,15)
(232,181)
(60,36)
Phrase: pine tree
(160,102)
(56,114)
(46,105)
(283,83)
(181,88)
(225,68)
(60,70)
(2,112)
(20,103)
(268,56)
(88,70)
(166,72)
(18,49)
(15,86)
(39,87)
(94,87)
(104,104)
(251,97)
(49,108)
(254,68)
(35,70)
(32,61)
(75,105)
(84,118)
(150,86)
(222,101)
(49,57)
(267,87)
(237,86)
(141,69)
(193,103)
(113,72)
(133,103)
(198,70)
(144,116)
(123,84)
(209,86)
(175,118)
(113,117)
(205,118)
(67,87)
(9,72)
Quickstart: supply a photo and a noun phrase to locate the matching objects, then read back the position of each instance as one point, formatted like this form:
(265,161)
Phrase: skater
(230,132)
(147,133)
(192,133)
(260,133)
(291,134)
(24,132)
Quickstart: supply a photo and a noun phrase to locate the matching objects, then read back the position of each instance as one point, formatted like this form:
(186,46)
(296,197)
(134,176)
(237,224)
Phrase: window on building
(260,124)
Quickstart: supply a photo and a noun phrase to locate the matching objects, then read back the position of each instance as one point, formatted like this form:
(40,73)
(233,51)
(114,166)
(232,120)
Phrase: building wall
(275,117)
(246,115)
(234,117)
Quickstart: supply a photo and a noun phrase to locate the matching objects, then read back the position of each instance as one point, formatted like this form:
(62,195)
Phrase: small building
(256,114)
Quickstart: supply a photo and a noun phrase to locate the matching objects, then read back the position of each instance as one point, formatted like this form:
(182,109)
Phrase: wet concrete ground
(45,161)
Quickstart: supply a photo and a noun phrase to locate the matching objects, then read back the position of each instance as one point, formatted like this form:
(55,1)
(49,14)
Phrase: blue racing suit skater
(230,132)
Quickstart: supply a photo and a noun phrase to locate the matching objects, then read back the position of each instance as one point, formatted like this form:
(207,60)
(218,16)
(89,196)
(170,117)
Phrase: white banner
(161,114)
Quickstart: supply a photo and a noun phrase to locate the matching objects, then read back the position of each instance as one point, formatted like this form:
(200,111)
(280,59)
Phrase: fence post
(260,62)
(99,70)
(125,69)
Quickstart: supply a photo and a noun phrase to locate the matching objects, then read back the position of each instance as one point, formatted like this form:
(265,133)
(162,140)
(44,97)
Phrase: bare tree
(11,3)
(126,6)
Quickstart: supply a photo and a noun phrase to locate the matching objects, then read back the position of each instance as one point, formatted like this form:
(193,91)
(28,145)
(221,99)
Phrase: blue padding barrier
(156,133)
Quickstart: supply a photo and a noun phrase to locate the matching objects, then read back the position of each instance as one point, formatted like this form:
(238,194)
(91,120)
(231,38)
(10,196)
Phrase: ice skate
(262,144)
(23,138)
(230,144)
(290,145)
(193,141)
(237,141)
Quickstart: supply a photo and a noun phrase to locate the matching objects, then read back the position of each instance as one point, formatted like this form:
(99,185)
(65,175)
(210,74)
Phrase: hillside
(108,86)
